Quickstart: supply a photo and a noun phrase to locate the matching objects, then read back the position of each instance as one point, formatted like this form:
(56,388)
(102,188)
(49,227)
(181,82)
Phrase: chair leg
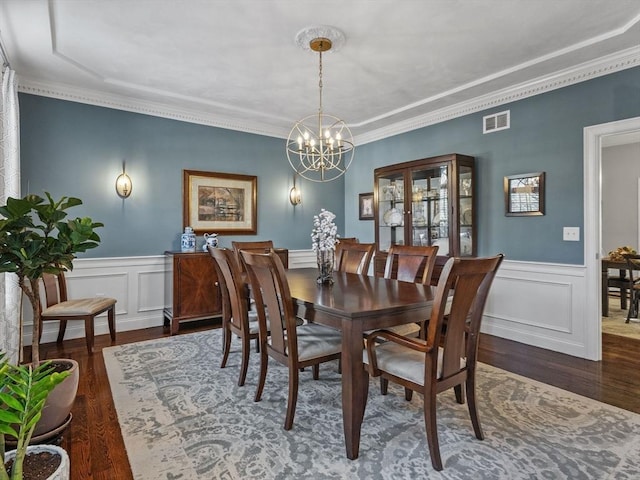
(432,429)
(61,331)
(226,344)
(292,399)
(384,386)
(408,394)
(315,369)
(459,391)
(111,316)
(246,346)
(264,362)
(471,404)
(89,333)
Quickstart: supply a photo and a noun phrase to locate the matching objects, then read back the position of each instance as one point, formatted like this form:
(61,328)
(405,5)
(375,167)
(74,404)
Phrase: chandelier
(320,146)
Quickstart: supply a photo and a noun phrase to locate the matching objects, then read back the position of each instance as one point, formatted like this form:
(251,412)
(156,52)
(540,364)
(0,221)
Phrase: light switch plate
(571,234)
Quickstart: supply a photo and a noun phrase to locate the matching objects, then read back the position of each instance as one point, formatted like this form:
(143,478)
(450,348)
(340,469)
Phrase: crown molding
(586,71)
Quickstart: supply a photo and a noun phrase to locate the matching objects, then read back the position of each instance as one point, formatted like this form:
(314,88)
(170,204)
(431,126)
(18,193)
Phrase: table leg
(355,386)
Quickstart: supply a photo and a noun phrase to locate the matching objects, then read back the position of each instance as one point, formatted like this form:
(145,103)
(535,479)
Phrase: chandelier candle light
(320,146)
(324,237)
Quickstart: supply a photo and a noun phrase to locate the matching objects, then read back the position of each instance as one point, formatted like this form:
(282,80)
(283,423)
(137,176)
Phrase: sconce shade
(295,196)
(123,185)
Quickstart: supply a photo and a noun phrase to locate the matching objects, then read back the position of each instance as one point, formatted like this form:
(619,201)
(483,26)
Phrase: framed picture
(524,194)
(365,206)
(220,202)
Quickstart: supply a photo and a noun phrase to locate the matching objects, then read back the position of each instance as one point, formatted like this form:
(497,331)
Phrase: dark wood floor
(97,451)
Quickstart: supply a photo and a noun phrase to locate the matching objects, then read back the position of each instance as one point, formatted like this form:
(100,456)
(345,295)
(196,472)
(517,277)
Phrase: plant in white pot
(23,392)
(36,237)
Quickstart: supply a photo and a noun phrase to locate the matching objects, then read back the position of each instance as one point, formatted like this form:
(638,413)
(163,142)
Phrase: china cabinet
(426,202)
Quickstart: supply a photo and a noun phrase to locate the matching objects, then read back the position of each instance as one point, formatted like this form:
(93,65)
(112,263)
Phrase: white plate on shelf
(392,217)
(467,217)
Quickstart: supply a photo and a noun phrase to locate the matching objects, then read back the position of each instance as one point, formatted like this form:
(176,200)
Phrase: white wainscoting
(533,303)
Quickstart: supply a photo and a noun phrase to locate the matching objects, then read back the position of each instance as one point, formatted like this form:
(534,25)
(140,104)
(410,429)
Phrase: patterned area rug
(182,417)
(615,323)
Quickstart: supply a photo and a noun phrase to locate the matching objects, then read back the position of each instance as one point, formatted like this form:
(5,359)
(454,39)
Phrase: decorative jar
(188,241)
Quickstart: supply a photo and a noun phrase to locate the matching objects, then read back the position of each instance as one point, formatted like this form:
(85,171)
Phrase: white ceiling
(235,64)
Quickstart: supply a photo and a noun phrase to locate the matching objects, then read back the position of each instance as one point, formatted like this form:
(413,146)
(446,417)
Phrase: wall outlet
(571,234)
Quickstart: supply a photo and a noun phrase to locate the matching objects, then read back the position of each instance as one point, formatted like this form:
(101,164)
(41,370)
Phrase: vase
(325,266)
(188,240)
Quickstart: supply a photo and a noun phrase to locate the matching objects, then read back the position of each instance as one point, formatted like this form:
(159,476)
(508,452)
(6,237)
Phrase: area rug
(183,417)
(615,323)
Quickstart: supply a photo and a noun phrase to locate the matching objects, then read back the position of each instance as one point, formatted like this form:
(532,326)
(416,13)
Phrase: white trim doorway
(594,136)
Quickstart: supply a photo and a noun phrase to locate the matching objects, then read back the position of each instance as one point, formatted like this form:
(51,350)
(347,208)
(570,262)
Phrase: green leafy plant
(36,238)
(23,391)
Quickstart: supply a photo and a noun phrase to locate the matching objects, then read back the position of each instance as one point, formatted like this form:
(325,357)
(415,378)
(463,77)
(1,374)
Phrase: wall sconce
(123,184)
(295,196)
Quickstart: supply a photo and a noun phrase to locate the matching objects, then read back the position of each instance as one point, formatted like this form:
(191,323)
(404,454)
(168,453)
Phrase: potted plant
(36,237)
(23,391)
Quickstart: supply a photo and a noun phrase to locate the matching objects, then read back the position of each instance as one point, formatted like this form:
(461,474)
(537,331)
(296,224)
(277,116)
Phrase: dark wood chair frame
(633,262)
(55,292)
(235,308)
(271,292)
(472,279)
(354,257)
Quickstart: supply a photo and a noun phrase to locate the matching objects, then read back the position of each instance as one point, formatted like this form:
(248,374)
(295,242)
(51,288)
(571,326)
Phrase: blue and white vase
(188,241)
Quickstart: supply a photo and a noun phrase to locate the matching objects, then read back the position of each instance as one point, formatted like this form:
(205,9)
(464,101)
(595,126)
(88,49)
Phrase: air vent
(497,121)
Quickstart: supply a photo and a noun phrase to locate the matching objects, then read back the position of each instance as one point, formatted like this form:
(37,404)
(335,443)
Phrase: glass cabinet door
(391,210)
(465,193)
(430,207)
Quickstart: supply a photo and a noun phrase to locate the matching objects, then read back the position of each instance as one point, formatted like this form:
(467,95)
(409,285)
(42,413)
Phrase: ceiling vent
(497,121)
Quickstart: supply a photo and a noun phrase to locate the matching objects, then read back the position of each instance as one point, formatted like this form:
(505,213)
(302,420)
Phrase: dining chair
(59,307)
(293,346)
(633,262)
(447,358)
(237,318)
(354,257)
(261,246)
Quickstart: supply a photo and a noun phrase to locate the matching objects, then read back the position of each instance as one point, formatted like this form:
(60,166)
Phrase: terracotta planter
(63,470)
(57,408)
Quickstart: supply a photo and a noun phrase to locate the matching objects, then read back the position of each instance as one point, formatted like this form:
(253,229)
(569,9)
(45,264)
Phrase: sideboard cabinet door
(191,288)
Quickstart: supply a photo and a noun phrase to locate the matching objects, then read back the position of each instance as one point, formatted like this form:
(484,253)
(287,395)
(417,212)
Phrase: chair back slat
(354,257)
(55,288)
(411,263)
(472,279)
(232,288)
(271,292)
(633,264)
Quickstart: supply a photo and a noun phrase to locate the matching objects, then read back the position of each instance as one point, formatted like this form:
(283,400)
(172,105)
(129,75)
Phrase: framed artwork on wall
(222,203)
(365,206)
(524,194)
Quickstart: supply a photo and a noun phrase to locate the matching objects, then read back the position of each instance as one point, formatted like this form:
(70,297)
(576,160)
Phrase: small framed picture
(366,206)
(524,194)
(220,202)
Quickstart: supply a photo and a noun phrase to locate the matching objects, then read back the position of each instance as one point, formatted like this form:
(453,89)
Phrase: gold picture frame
(524,194)
(222,203)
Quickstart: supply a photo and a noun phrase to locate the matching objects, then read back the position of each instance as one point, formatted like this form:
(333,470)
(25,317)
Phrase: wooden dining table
(353,304)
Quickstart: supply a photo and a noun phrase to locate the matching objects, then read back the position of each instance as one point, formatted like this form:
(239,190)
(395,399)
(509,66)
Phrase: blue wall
(546,134)
(77,150)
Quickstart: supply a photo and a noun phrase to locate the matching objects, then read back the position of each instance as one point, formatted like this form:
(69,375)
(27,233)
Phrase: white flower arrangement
(324,235)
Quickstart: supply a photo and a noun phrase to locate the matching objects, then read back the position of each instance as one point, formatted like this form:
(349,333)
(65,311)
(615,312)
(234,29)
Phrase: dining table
(354,304)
